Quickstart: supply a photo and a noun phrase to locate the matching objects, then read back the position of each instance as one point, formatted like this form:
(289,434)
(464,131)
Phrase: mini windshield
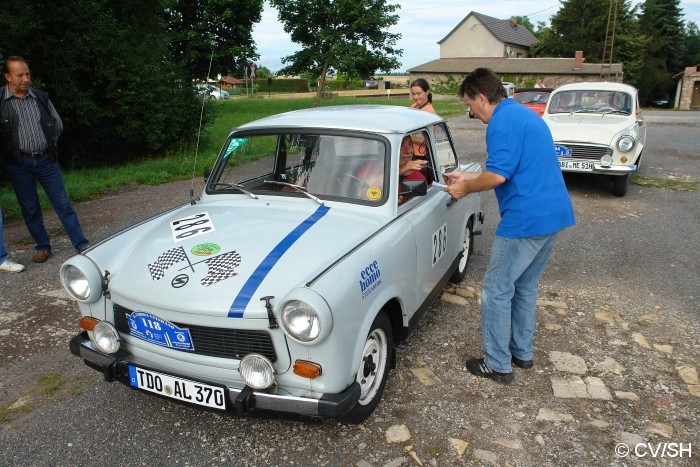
(342,167)
(615,102)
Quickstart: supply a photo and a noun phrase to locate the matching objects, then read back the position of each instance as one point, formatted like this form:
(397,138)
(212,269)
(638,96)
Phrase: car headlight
(257,371)
(301,321)
(606,160)
(625,143)
(306,316)
(106,338)
(81,279)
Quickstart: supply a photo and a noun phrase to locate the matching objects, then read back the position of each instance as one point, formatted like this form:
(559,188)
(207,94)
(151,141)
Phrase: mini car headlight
(606,160)
(81,279)
(625,143)
(257,371)
(106,338)
(301,321)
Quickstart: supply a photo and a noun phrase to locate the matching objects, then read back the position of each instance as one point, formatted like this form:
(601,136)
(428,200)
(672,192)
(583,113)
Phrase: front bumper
(615,169)
(242,401)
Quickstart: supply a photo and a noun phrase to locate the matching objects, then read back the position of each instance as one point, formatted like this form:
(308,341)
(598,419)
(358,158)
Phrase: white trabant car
(287,285)
(598,128)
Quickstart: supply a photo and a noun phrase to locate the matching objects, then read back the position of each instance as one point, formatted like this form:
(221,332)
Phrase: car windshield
(348,168)
(589,101)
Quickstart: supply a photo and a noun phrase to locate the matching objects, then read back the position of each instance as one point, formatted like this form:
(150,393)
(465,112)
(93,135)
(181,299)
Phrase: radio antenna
(199,133)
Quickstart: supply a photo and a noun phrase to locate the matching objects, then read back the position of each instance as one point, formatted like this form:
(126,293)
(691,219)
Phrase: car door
(436,221)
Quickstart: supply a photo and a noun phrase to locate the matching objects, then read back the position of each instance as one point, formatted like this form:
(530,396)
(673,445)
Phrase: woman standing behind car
(421,95)
(423,100)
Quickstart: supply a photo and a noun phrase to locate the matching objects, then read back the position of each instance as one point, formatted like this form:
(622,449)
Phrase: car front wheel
(620,184)
(377,355)
(466,253)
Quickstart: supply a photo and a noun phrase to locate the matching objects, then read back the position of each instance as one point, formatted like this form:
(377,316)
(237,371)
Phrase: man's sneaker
(9,266)
(478,367)
(525,364)
(41,256)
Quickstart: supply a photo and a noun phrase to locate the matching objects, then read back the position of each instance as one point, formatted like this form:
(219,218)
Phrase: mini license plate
(158,331)
(177,388)
(583,166)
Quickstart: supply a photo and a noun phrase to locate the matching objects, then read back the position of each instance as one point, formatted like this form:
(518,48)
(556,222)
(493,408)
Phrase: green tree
(691,54)
(216,31)
(661,21)
(582,25)
(106,67)
(347,36)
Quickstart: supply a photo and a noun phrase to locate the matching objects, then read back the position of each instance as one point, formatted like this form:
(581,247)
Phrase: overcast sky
(422,25)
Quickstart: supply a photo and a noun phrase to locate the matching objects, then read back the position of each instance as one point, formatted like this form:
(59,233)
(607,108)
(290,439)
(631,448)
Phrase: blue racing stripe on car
(241,301)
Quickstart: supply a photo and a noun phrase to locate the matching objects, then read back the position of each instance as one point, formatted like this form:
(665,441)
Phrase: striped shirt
(31,136)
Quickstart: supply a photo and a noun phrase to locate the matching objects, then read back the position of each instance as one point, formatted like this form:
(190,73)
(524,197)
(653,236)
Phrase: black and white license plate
(177,388)
(583,166)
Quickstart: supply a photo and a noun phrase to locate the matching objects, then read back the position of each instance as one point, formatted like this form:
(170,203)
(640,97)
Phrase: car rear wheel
(377,355)
(620,184)
(466,253)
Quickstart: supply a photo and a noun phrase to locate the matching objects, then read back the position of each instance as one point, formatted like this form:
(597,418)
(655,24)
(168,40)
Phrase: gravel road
(617,350)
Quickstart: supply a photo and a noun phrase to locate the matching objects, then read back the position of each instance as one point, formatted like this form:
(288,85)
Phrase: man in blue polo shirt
(522,168)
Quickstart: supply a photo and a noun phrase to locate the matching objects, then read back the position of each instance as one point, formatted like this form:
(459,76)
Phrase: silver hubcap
(372,366)
(465,250)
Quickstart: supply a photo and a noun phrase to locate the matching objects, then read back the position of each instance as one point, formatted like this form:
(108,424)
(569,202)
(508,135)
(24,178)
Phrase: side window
(446,156)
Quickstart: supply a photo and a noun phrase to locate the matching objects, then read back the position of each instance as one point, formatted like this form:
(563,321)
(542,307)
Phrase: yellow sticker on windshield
(374,193)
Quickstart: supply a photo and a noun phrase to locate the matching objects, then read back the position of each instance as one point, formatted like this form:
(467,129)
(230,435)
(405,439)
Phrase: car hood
(251,250)
(600,129)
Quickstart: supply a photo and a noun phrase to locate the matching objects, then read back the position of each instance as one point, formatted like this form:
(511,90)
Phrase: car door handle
(451,201)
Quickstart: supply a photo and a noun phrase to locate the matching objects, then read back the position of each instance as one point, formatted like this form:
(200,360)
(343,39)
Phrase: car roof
(598,86)
(370,118)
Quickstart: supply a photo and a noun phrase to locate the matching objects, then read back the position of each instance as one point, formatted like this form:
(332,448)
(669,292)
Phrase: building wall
(471,39)
(690,89)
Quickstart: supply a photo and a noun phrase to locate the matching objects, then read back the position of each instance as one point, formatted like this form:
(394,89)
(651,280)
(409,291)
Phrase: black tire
(620,184)
(377,355)
(465,254)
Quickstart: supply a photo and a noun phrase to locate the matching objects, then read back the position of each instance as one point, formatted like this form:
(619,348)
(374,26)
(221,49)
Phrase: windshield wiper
(298,188)
(236,186)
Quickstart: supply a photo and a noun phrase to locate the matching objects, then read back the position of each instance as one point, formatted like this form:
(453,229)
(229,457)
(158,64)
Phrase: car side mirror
(411,188)
(207,172)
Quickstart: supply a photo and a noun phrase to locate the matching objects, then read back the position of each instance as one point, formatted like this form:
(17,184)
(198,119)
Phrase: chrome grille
(215,342)
(586,151)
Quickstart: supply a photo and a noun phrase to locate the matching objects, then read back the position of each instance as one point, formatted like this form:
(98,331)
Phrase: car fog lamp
(77,283)
(625,144)
(606,160)
(301,321)
(257,371)
(106,338)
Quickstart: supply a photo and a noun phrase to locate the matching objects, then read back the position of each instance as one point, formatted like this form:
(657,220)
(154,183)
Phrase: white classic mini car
(598,128)
(287,285)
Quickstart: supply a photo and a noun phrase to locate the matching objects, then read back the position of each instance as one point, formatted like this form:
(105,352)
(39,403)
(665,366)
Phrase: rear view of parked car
(598,128)
(533,98)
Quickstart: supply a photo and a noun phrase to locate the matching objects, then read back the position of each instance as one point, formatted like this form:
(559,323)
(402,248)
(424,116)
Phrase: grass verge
(669,183)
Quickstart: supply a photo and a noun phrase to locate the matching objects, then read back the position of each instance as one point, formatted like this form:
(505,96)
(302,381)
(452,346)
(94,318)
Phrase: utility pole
(609,41)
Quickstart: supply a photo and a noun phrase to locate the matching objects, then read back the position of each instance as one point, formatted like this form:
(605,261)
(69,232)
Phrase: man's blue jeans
(24,178)
(3,250)
(509,298)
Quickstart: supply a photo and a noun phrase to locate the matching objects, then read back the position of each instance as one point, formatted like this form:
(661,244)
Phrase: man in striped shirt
(29,131)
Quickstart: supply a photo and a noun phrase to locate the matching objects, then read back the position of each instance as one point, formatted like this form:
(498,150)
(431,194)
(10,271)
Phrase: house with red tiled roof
(230,82)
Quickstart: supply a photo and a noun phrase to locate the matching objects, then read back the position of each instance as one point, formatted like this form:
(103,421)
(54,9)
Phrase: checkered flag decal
(166,260)
(221,267)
